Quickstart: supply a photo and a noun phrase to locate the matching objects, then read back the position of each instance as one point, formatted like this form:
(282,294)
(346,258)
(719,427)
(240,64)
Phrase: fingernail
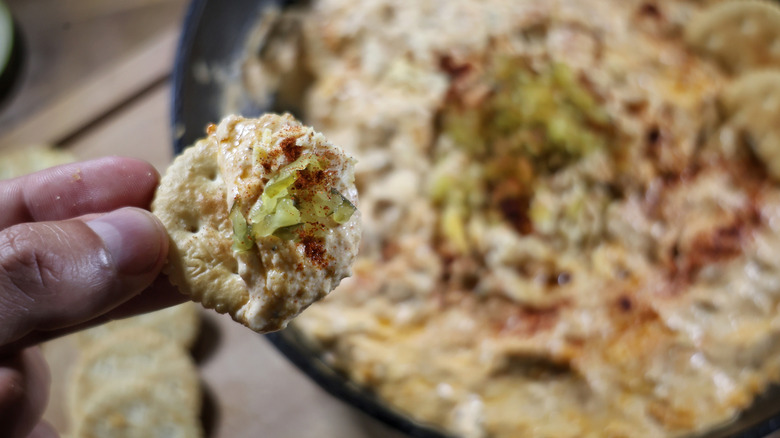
(133,237)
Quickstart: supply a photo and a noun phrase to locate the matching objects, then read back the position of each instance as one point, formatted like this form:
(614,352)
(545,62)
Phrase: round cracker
(739,35)
(191,203)
(752,105)
(137,409)
(180,324)
(18,162)
(134,354)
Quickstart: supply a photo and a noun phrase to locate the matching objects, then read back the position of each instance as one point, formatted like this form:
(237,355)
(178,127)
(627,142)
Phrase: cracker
(739,35)
(138,409)
(134,354)
(277,278)
(752,105)
(18,162)
(179,323)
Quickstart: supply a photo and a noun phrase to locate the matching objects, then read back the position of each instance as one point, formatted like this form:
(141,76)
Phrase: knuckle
(46,271)
(25,263)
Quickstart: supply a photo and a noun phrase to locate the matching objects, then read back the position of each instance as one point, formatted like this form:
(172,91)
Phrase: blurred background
(90,72)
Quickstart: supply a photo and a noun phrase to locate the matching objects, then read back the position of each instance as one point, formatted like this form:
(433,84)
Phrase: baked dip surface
(569,228)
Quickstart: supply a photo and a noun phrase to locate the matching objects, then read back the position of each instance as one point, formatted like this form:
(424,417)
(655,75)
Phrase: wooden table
(96,82)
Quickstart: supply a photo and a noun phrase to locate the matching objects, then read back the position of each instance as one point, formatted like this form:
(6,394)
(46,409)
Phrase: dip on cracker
(262,219)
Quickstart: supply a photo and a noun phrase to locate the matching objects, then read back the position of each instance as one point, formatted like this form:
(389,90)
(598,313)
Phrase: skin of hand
(77,248)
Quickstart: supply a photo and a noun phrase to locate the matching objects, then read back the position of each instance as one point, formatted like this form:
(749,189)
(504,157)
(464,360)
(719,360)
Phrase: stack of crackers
(136,378)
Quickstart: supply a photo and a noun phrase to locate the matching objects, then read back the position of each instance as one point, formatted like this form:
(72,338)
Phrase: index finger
(76,189)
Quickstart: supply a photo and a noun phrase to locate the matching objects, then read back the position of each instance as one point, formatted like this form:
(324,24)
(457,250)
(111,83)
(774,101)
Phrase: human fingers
(158,295)
(76,189)
(43,430)
(24,391)
(55,275)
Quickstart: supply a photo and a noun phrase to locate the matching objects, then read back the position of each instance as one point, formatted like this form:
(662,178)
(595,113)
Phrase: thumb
(57,274)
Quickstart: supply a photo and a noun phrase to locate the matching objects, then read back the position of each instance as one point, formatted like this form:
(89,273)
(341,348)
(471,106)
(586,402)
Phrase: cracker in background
(739,35)
(180,324)
(135,354)
(136,409)
(18,162)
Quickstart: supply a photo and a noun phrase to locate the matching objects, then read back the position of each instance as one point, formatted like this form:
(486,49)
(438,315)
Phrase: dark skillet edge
(182,62)
(753,423)
(761,430)
(291,345)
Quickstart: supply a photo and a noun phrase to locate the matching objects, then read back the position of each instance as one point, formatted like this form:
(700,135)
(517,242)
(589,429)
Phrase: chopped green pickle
(284,215)
(282,209)
(241,238)
(343,212)
(288,233)
(532,122)
(286,177)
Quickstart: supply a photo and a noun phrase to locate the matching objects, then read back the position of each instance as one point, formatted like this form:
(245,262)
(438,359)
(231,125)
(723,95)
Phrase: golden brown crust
(618,288)
(751,104)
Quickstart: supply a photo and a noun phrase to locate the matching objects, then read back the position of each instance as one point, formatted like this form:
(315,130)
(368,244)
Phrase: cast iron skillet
(213,40)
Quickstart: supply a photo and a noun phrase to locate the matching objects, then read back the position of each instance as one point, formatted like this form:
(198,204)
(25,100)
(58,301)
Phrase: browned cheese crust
(571,209)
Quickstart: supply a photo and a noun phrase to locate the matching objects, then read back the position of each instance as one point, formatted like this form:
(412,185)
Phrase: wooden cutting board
(116,102)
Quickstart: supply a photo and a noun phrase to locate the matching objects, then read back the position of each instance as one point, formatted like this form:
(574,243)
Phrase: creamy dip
(284,184)
(562,237)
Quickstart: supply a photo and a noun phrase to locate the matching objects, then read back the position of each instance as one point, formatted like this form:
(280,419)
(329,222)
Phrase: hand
(76,249)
